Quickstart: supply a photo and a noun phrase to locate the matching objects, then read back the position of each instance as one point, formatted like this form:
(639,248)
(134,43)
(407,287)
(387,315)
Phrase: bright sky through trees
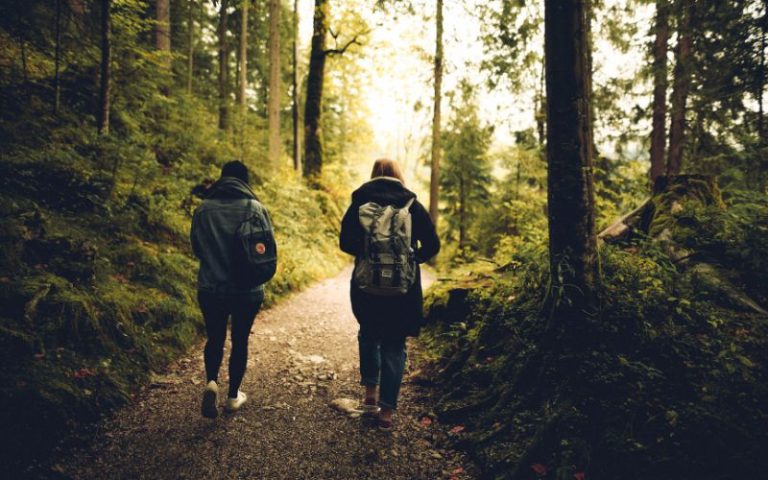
(398,62)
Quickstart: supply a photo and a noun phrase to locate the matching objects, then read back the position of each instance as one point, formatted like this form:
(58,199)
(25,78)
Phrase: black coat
(395,316)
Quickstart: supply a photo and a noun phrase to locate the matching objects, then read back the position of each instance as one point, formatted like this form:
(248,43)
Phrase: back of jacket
(213,237)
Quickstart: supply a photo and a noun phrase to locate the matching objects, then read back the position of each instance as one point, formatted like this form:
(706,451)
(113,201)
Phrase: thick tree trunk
(658,130)
(273,104)
(57,62)
(313,150)
(682,84)
(434,179)
(223,67)
(295,89)
(572,240)
(163,30)
(102,115)
(243,71)
(190,44)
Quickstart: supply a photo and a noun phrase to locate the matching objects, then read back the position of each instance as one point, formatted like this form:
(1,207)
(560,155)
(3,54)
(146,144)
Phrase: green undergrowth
(97,278)
(670,381)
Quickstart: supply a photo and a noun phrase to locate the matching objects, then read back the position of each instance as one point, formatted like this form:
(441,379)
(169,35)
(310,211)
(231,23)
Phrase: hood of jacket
(230,188)
(384,191)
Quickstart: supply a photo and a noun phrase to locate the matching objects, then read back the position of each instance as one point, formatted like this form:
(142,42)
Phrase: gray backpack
(387,265)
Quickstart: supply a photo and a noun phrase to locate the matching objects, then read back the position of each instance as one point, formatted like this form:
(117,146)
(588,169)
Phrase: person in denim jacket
(386,321)
(226,204)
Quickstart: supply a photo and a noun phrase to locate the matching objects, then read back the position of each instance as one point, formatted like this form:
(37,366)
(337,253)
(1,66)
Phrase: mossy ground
(670,382)
(97,284)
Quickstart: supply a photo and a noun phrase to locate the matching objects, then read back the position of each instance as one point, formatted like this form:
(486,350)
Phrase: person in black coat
(386,321)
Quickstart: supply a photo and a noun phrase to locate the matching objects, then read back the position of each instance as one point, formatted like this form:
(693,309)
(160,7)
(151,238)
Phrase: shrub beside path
(303,356)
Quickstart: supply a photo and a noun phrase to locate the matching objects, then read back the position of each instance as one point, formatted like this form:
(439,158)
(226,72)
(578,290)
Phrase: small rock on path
(303,356)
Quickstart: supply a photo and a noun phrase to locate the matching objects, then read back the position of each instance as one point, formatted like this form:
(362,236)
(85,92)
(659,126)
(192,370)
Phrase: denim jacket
(213,228)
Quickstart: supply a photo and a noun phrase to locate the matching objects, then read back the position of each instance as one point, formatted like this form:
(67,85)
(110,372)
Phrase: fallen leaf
(425,421)
(539,469)
(84,373)
(457,429)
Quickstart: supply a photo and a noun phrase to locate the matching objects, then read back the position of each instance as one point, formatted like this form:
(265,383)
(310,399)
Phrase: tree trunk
(658,130)
(682,84)
(57,62)
(541,109)
(163,30)
(572,240)
(313,150)
(295,89)
(102,115)
(190,45)
(223,67)
(761,80)
(243,72)
(273,104)
(462,215)
(434,179)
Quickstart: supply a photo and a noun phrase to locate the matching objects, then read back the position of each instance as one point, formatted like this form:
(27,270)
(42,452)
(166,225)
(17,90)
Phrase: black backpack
(254,259)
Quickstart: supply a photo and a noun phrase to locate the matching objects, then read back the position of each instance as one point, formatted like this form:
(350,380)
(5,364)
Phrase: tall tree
(570,195)
(243,73)
(273,103)
(466,175)
(680,87)
(163,30)
(57,61)
(190,44)
(434,180)
(295,87)
(223,67)
(659,118)
(102,115)
(313,149)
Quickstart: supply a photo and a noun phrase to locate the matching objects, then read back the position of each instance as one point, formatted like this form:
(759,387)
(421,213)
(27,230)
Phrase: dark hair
(384,167)
(236,169)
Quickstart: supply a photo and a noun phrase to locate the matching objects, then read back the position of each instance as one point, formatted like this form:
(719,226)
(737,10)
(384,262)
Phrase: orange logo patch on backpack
(260,248)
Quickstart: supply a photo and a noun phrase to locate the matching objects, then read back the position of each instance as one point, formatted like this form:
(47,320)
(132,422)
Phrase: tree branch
(340,51)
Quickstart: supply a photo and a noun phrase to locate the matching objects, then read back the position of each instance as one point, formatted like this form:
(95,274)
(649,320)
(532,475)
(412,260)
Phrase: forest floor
(303,356)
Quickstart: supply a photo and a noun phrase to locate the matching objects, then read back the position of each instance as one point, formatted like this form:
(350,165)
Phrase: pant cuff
(388,406)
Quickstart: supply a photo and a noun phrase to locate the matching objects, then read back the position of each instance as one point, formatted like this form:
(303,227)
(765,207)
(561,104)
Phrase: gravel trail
(303,355)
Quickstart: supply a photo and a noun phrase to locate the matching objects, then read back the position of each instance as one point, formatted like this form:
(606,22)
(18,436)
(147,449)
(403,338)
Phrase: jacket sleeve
(351,236)
(424,233)
(193,235)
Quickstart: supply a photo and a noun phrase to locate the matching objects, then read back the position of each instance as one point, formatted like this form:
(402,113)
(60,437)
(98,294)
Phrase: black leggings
(217,308)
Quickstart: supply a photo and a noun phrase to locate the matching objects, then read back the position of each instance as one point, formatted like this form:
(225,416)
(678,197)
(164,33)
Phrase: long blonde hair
(385,167)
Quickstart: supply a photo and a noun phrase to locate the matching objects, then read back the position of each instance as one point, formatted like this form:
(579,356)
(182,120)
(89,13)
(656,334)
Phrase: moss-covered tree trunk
(434,180)
(242,81)
(313,150)
(572,241)
(273,106)
(659,120)
(295,88)
(163,30)
(223,67)
(190,44)
(57,61)
(680,88)
(102,116)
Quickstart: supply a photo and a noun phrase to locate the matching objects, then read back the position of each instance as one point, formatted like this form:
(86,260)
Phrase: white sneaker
(234,404)
(210,397)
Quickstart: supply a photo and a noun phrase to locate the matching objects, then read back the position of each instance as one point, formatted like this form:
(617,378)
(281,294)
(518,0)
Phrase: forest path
(303,355)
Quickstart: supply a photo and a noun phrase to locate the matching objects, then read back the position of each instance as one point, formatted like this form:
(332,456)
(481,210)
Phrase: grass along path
(303,355)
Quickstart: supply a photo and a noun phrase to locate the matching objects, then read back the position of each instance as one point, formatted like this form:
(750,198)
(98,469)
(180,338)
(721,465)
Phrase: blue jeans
(382,359)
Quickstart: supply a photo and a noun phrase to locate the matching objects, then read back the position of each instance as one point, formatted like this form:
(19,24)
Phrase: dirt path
(303,355)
